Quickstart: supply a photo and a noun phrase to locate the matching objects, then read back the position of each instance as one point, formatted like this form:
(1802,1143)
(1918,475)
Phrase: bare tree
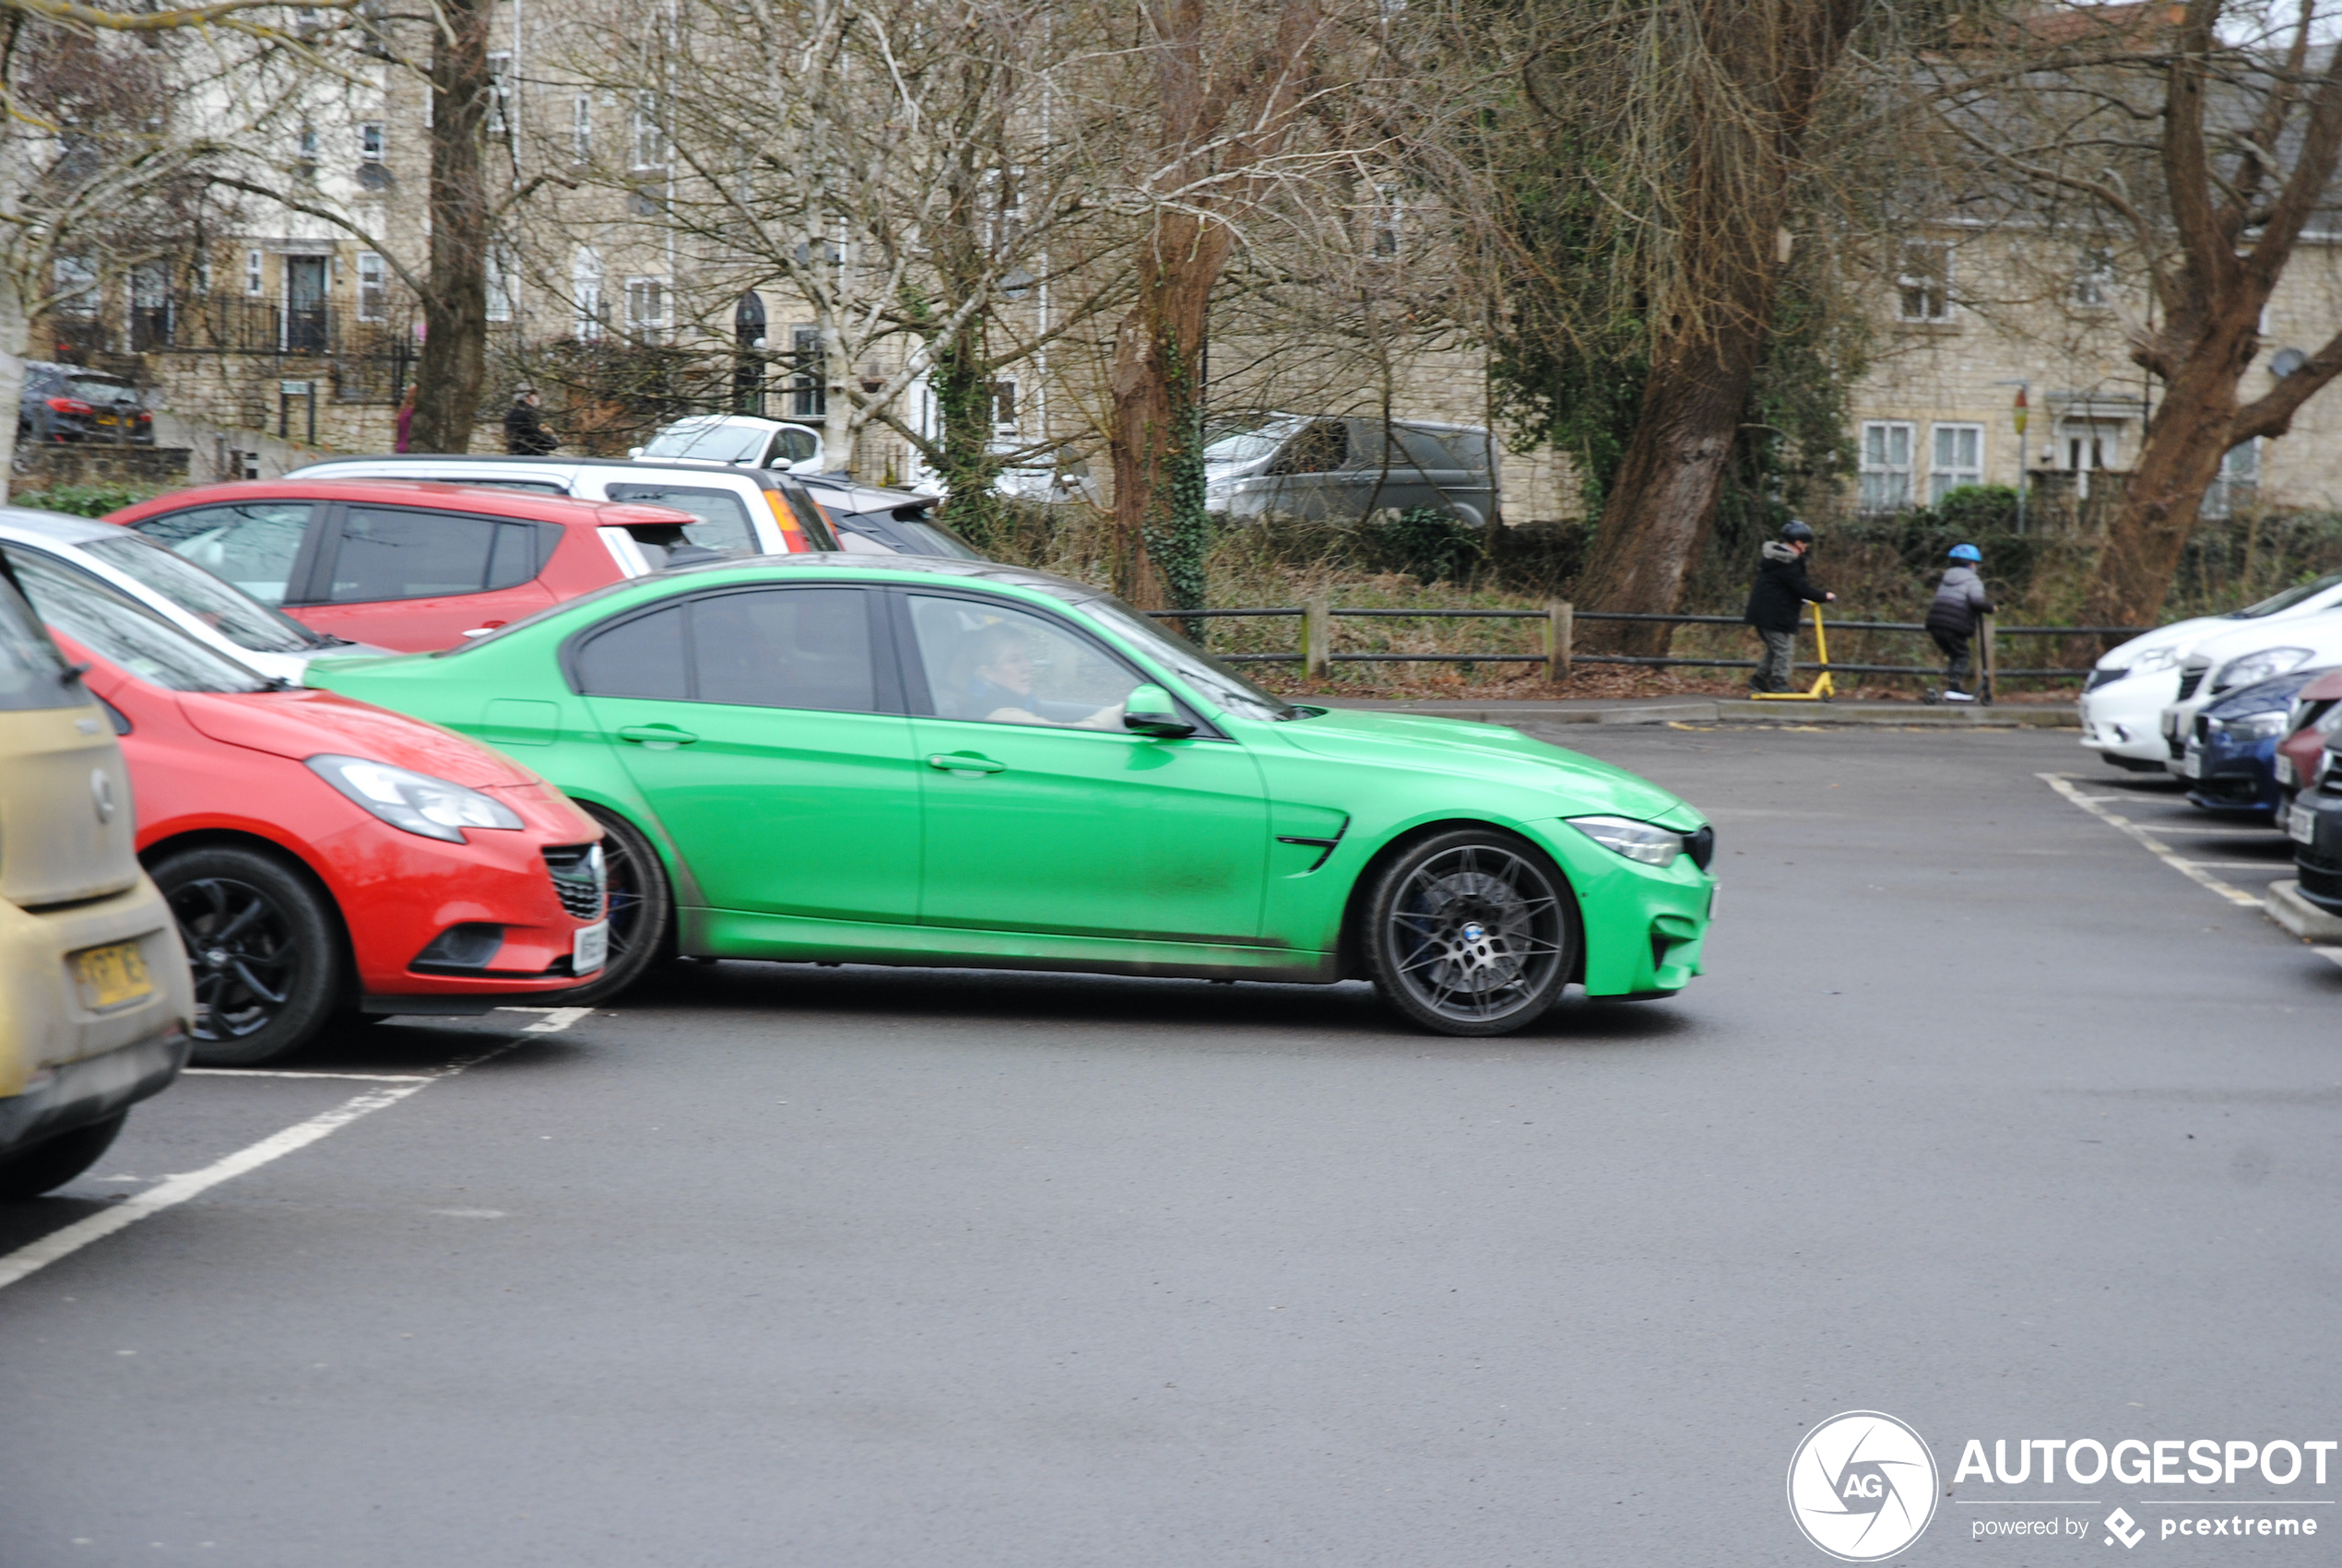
(101,112)
(2208,137)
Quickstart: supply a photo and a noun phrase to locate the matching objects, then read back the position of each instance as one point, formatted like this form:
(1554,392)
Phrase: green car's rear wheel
(1471,932)
(641,910)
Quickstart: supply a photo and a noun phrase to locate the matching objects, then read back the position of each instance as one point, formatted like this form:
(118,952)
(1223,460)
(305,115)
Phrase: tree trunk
(15,346)
(1159,527)
(455,359)
(962,382)
(1772,60)
(2185,439)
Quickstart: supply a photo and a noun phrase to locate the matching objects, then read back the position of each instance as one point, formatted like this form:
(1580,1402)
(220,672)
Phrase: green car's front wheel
(1471,932)
(641,910)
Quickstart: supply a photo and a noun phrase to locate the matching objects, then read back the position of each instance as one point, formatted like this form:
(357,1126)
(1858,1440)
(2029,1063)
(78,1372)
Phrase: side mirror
(1149,710)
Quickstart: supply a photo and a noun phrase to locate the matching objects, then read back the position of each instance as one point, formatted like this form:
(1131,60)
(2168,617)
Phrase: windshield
(1218,682)
(712,440)
(1248,441)
(226,608)
(31,673)
(101,389)
(2287,599)
(114,629)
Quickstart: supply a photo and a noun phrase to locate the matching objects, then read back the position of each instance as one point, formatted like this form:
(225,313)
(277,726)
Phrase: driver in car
(1000,689)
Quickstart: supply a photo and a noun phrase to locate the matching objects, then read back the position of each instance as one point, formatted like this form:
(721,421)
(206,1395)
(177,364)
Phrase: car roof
(52,527)
(532,464)
(1061,588)
(494,500)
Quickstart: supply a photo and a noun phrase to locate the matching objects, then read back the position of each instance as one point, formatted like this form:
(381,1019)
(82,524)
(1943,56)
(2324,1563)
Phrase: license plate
(108,419)
(2301,825)
(111,975)
(2192,764)
(2285,771)
(589,950)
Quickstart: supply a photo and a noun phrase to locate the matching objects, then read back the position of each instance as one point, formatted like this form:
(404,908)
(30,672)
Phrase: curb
(1736,714)
(2286,905)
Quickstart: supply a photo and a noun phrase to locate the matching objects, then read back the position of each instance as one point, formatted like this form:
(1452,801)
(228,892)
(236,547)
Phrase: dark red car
(408,565)
(326,857)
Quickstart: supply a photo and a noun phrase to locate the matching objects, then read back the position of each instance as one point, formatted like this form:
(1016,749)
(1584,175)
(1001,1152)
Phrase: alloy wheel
(1476,938)
(247,959)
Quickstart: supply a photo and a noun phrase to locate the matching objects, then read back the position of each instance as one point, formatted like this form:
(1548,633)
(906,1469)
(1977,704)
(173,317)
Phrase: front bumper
(2122,719)
(2224,778)
(1646,926)
(2318,860)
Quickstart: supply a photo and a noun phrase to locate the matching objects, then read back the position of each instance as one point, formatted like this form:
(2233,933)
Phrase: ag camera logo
(1863,1486)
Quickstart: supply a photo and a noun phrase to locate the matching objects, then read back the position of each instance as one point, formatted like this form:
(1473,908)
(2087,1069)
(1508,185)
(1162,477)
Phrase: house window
(1886,465)
(2094,280)
(650,137)
(305,153)
(585,294)
(370,142)
(500,285)
(1382,236)
(2237,484)
(254,263)
(1956,459)
(372,287)
(581,127)
(499,87)
(645,306)
(76,285)
(1925,282)
(1004,408)
(808,397)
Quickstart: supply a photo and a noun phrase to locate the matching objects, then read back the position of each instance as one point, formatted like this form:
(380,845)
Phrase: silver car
(211,609)
(1324,468)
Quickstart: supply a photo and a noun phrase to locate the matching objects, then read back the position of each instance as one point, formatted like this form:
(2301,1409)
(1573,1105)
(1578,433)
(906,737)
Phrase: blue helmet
(1967,552)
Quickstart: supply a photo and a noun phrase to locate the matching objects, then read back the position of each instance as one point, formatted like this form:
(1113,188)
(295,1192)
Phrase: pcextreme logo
(1863,1486)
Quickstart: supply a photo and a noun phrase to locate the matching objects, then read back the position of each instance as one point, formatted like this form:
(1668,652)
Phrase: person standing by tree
(525,431)
(402,423)
(1778,600)
(1951,619)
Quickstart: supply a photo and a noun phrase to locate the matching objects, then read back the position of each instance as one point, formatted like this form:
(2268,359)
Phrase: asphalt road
(1984,1116)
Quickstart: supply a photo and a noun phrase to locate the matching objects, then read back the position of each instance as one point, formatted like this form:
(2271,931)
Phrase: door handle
(965,762)
(655,735)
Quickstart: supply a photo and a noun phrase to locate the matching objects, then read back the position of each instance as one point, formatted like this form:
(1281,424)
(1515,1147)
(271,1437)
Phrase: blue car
(2231,759)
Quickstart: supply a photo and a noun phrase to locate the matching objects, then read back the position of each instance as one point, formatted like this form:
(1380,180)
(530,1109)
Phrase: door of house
(305,304)
(2091,444)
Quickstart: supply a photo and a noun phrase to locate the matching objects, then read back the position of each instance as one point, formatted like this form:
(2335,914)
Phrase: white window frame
(503,289)
(372,138)
(650,148)
(1006,391)
(641,289)
(1923,294)
(1944,475)
(373,286)
(591,317)
(2093,279)
(581,128)
(500,92)
(256,271)
(1885,480)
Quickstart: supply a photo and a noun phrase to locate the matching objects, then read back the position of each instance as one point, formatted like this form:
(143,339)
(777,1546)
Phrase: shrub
(86,500)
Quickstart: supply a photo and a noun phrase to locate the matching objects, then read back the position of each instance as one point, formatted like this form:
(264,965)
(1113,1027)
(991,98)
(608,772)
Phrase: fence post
(1988,655)
(1560,630)
(1317,637)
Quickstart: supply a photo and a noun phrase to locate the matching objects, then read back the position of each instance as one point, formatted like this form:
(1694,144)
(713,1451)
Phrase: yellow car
(95,999)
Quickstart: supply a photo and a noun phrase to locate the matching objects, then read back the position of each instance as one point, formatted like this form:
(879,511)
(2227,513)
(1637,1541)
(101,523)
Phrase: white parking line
(36,1255)
(263,1072)
(2188,868)
(555,1018)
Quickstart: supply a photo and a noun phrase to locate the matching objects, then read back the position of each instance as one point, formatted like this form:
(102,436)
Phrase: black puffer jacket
(1781,592)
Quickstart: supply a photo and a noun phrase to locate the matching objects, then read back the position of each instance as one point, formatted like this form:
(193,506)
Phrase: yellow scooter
(1821,691)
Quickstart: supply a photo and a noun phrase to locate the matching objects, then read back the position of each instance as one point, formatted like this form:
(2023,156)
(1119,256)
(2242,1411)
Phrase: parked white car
(747,440)
(178,589)
(2236,659)
(2122,705)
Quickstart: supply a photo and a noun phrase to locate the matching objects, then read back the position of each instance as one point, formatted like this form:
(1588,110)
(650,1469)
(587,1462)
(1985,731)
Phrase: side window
(723,522)
(990,663)
(407,553)
(513,560)
(1425,450)
(785,648)
(1322,446)
(790,445)
(253,544)
(641,658)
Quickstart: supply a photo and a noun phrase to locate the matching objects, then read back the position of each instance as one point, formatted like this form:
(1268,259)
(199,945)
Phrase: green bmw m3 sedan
(900,760)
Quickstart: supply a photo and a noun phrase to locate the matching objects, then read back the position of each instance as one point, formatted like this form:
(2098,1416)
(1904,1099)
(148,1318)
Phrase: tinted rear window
(407,553)
(641,657)
(32,673)
(723,522)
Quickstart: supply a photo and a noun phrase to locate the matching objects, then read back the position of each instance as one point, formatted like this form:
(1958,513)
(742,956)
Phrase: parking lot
(1993,1112)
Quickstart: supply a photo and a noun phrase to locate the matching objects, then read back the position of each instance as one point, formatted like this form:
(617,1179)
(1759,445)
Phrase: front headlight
(1636,841)
(2253,726)
(415,802)
(2259,666)
(2158,658)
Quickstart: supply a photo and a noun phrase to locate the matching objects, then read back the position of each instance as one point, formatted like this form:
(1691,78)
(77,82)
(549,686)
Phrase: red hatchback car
(408,565)
(326,857)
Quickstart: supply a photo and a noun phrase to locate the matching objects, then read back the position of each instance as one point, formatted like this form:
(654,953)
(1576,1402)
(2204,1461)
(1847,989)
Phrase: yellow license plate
(111,975)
